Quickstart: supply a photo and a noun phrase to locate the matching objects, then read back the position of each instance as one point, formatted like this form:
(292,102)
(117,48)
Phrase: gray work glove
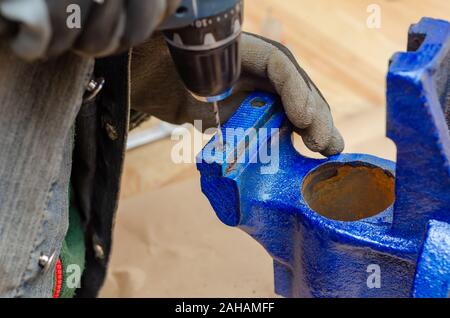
(266,65)
(106,27)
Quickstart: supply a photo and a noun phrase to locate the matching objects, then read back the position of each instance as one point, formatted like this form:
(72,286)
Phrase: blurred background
(168,241)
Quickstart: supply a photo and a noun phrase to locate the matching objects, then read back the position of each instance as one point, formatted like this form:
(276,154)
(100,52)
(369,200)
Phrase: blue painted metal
(318,257)
(433,270)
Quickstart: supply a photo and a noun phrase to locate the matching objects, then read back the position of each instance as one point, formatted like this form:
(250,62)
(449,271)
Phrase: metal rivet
(111,131)
(99,253)
(93,88)
(45,261)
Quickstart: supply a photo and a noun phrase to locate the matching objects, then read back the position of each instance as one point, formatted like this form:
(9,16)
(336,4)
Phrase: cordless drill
(203,37)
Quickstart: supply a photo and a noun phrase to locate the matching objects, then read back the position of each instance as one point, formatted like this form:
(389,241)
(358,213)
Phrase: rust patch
(349,192)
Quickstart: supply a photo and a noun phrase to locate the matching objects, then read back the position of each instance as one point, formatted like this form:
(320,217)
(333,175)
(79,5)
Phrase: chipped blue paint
(318,257)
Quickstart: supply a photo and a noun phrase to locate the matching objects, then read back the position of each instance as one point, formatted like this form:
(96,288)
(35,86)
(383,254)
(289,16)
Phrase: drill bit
(219,142)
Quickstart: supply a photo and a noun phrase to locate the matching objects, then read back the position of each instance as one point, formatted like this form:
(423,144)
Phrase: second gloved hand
(48,28)
(156,89)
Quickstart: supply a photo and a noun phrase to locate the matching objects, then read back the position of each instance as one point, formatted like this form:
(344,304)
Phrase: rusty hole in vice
(349,191)
(258,102)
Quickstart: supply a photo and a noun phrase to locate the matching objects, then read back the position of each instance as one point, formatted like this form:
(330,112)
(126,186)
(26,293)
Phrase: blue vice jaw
(329,224)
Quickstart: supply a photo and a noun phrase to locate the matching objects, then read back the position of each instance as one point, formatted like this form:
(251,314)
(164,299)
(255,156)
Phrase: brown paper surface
(169,243)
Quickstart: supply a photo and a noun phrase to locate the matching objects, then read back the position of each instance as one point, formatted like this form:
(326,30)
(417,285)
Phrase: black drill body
(203,37)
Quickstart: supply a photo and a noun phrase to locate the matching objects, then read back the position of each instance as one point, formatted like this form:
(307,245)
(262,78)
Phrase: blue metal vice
(331,225)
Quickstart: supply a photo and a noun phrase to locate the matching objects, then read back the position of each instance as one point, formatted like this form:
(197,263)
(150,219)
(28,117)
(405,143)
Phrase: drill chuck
(206,51)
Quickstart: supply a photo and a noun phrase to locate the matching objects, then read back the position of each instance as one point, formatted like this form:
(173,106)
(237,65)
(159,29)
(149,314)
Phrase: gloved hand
(107,27)
(266,65)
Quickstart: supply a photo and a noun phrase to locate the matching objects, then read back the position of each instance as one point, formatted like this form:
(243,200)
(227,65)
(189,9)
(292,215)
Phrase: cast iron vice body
(331,225)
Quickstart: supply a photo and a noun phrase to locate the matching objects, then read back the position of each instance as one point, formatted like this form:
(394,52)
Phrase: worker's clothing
(38,106)
(39,103)
(71,262)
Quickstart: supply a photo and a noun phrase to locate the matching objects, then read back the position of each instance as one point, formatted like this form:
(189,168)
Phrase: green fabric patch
(73,252)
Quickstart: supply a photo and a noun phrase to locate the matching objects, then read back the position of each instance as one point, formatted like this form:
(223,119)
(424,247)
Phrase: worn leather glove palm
(266,65)
(106,27)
